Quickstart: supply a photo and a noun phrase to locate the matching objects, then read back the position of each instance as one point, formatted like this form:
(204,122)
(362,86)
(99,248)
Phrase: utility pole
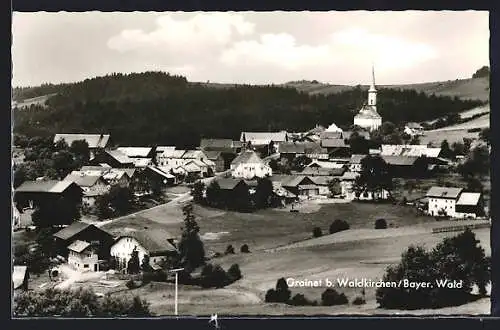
(176,271)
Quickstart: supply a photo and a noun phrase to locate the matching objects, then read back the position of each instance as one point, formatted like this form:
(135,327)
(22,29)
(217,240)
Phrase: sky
(251,47)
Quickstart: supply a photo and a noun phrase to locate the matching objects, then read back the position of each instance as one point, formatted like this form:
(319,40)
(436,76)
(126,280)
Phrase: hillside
(466,89)
(158,108)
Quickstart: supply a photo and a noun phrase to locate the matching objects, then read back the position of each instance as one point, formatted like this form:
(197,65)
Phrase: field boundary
(461,227)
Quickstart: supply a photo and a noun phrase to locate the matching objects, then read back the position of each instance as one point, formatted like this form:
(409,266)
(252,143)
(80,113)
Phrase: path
(73,276)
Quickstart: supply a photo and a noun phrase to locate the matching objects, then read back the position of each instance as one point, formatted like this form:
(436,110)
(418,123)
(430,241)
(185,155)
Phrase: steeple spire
(372,86)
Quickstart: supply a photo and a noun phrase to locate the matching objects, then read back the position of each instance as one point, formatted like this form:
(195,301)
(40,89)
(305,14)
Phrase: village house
(301,186)
(117,177)
(157,244)
(249,165)
(83,256)
(86,232)
(469,205)
(222,145)
(414,129)
(156,176)
(368,117)
(20,278)
(113,158)
(92,186)
(264,141)
(94,141)
(162,154)
(319,171)
(175,158)
(346,185)
(206,166)
(138,152)
(35,193)
(355,163)
(336,147)
(323,182)
(217,159)
(442,201)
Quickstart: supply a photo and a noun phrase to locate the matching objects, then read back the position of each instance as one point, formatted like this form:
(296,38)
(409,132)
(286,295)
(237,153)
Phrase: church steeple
(372,92)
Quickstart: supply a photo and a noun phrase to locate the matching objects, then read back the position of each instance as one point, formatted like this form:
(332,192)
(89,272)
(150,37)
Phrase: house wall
(436,204)
(370,123)
(368,195)
(355,167)
(323,190)
(122,250)
(249,170)
(99,188)
(84,261)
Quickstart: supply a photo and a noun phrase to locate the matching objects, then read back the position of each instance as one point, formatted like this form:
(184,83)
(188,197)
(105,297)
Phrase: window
(86,266)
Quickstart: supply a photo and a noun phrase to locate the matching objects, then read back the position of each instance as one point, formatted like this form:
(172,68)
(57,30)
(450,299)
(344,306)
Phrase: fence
(461,227)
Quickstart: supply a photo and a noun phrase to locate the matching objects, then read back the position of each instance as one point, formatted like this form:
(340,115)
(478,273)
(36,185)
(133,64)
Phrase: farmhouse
(368,116)
(469,205)
(159,245)
(442,201)
(113,158)
(118,177)
(407,166)
(35,193)
(346,185)
(83,256)
(163,153)
(414,129)
(92,185)
(82,231)
(217,159)
(318,171)
(355,163)
(20,278)
(156,177)
(222,145)
(335,146)
(94,141)
(322,182)
(137,152)
(264,140)
(249,165)
(301,186)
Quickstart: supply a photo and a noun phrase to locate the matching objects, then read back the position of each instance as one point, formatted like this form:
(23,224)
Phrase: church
(368,116)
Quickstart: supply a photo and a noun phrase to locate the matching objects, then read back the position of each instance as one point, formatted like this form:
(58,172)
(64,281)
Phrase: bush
(359,301)
(331,297)
(271,296)
(301,300)
(244,249)
(131,284)
(337,226)
(229,250)
(234,272)
(216,277)
(280,294)
(380,224)
(317,232)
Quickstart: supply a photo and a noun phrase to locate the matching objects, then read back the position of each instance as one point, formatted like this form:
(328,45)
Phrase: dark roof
(323,171)
(228,183)
(291,148)
(330,135)
(45,186)
(120,157)
(72,230)
(295,181)
(333,143)
(399,160)
(322,180)
(444,192)
(216,144)
(213,155)
(93,140)
(153,240)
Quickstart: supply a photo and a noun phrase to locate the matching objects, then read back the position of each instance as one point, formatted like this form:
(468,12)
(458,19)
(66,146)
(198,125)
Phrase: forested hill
(157,108)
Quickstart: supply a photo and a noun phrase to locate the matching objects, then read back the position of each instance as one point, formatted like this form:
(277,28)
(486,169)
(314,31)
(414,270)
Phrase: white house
(249,165)
(157,244)
(414,129)
(163,153)
(368,116)
(442,201)
(83,256)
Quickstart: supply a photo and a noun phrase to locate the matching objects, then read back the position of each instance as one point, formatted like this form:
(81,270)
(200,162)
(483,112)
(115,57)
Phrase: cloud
(279,49)
(347,46)
(200,33)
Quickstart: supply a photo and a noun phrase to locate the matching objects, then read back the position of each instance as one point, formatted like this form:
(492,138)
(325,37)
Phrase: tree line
(158,108)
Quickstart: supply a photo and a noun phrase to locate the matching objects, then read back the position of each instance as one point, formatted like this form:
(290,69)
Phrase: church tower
(372,92)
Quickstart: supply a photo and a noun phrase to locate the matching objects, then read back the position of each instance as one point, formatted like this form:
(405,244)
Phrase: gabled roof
(213,155)
(193,154)
(414,125)
(45,186)
(130,171)
(165,151)
(316,130)
(93,140)
(349,176)
(325,164)
(83,180)
(323,171)
(115,174)
(94,169)
(291,148)
(333,128)
(176,154)
(142,162)
(331,135)
(295,181)
(356,159)
(469,198)
(120,157)
(191,167)
(262,138)
(135,151)
(400,160)
(72,230)
(322,180)
(18,276)
(160,172)
(333,143)
(78,246)
(416,150)
(153,240)
(216,144)
(228,183)
(247,157)
(444,192)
